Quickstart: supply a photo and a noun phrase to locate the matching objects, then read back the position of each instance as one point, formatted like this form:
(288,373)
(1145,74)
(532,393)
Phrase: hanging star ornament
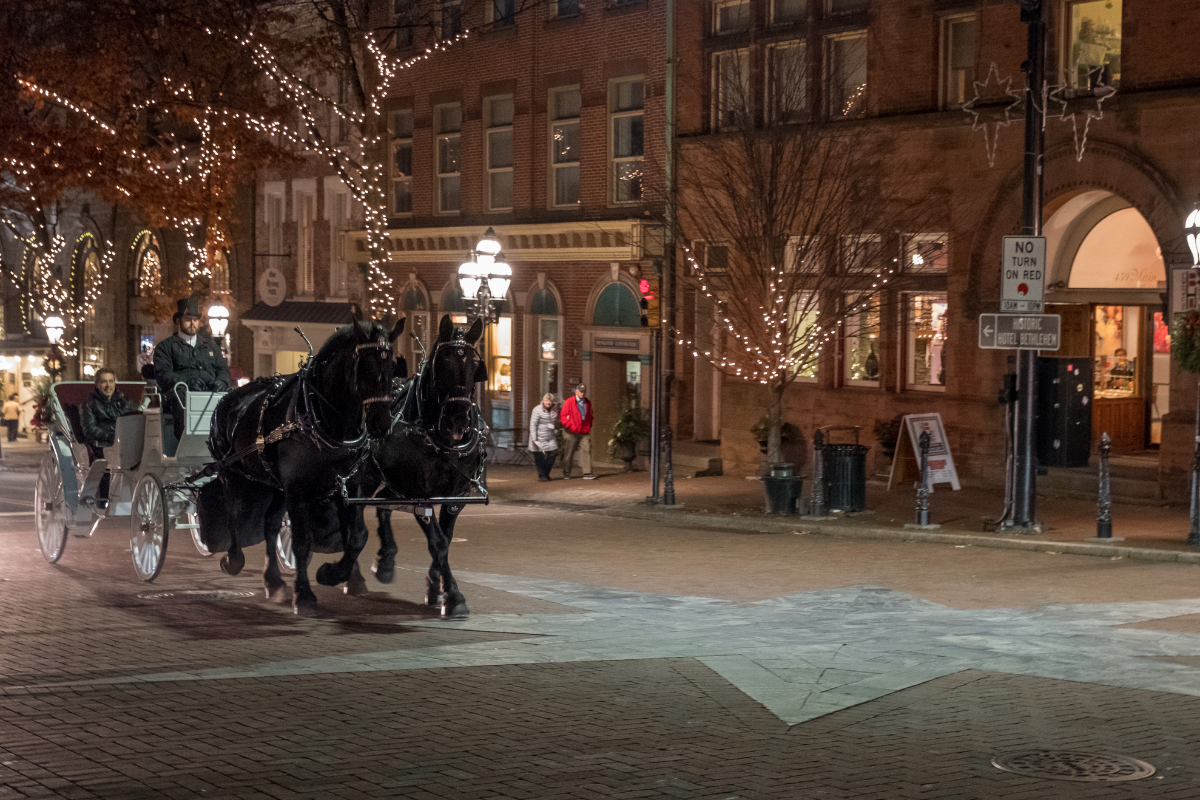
(1074,102)
(992,108)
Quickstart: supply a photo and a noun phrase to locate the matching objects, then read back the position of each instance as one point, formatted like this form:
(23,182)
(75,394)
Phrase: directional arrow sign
(1019,331)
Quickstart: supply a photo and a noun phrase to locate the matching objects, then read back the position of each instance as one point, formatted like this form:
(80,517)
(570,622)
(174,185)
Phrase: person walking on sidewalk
(541,437)
(12,416)
(576,416)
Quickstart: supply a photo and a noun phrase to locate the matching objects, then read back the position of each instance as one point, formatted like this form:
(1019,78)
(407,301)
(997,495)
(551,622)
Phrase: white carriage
(155,490)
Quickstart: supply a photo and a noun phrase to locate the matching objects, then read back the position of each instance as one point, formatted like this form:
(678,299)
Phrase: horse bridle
(385,350)
(427,389)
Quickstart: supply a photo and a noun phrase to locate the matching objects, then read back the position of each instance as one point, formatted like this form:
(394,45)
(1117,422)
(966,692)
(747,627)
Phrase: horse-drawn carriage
(143,482)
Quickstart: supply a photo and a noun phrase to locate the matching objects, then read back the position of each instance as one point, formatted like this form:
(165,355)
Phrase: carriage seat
(72,396)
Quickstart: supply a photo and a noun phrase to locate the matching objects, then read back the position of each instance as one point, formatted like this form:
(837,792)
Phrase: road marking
(16,513)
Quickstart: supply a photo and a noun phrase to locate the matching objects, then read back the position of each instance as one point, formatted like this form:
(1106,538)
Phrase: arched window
(415,306)
(86,271)
(452,300)
(220,272)
(544,304)
(148,267)
(616,307)
(548,325)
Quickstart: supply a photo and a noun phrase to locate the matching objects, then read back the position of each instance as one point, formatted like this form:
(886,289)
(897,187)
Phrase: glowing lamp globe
(499,279)
(1191,228)
(218,319)
(54,328)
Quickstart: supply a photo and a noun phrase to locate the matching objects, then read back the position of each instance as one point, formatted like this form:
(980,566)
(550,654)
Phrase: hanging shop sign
(272,286)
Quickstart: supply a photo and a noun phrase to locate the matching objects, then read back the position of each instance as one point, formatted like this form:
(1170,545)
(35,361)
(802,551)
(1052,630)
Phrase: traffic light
(648,304)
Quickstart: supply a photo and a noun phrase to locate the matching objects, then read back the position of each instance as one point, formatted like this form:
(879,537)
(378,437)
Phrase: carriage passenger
(191,357)
(98,416)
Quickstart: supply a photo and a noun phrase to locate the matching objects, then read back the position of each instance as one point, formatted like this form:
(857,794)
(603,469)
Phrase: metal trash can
(782,490)
(845,467)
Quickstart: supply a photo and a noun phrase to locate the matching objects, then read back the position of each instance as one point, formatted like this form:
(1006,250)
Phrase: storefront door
(1128,402)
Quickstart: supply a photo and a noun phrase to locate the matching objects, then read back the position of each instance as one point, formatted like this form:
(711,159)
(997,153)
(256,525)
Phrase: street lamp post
(485,278)
(54,331)
(218,323)
(1191,230)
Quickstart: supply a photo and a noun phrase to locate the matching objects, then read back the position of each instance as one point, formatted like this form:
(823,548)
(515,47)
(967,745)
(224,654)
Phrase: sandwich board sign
(906,463)
(1023,275)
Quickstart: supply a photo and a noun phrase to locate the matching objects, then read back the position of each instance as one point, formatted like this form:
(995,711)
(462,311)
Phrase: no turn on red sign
(1023,274)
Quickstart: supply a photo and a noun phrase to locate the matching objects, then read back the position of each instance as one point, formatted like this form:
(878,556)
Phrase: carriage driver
(191,357)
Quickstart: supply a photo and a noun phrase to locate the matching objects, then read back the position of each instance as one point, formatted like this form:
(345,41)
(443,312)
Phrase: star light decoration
(992,109)
(1073,102)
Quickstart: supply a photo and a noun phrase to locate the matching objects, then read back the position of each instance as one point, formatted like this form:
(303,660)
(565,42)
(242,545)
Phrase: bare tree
(793,220)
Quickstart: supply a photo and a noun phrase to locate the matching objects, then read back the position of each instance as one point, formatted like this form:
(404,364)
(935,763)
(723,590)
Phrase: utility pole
(1033,13)
(668,277)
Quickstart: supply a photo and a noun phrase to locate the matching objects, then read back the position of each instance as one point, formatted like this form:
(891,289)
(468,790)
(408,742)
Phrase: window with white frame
(564,146)
(1093,52)
(401,124)
(306,218)
(926,252)
(838,7)
(564,8)
(338,212)
(450,20)
(787,80)
(804,336)
(716,258)
(447,126)
(731,89)
(925,340)
(275,245)
(803,254)
(731,16)
(627,115)
(862,253)
(860,338)
(498,135)
(958,59)
(783,11)
(500,13)
(847,74)
(403,12)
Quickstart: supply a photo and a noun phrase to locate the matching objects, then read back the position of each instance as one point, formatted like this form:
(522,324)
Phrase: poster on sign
(906,463)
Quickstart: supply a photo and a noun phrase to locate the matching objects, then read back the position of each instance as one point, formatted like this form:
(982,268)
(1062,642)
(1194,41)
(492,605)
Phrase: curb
(767,525)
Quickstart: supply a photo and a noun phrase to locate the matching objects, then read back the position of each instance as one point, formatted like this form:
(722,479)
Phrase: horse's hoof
(276,594)
(307,610)
(232,563)
(325,575)
(384,573)
(356,586)
(433,600)
(455,608)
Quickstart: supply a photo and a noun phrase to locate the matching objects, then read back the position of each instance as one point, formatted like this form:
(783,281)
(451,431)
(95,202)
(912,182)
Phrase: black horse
(436,449)
(281,443)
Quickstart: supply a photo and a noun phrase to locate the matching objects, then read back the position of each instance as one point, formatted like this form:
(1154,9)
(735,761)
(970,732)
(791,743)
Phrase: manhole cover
(1072,765)
(196,595)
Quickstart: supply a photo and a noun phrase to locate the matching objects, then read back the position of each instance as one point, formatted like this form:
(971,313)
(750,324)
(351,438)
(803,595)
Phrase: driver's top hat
(189,306)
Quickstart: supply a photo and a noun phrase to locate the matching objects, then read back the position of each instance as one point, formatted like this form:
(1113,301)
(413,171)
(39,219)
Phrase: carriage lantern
(485,278)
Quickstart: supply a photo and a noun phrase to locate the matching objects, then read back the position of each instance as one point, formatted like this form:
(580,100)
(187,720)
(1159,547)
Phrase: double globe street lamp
(485,278)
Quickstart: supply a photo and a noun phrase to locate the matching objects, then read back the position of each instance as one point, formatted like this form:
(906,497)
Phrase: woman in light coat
(541,436)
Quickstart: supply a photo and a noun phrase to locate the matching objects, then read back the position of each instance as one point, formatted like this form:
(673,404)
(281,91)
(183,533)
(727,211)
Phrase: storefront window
(1094,53)
(925,327)
(862,364)
(1160,402)
(805,339)
(1115,333)
(548,355)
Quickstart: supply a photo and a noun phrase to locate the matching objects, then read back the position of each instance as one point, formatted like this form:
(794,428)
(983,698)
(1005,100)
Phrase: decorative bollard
(1193,539)
(816,506)
(1104,504)
(923,489)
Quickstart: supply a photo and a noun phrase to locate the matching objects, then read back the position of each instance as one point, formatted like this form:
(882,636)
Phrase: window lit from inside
(626,107)
(564,146)
(863,253)
(925,329)
(848,75)
(958,60)
(926,252)
(498,117)
(402,149)
(447,125)
(803,335)
(861,339)
(1094,46)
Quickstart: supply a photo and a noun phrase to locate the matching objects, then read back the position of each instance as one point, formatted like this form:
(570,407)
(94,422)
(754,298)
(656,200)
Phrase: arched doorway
(1107,279)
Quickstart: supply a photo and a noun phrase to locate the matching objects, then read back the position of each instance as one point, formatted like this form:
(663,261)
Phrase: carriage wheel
(283,547)
(50,509)
(149,525)
(193,518)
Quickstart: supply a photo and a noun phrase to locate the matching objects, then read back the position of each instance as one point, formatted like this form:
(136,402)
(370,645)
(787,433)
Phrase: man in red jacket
(576,417)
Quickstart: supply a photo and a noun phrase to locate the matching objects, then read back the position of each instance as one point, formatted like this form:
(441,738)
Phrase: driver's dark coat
(202,367)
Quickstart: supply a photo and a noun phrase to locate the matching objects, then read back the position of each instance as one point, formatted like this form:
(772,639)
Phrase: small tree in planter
(631,427)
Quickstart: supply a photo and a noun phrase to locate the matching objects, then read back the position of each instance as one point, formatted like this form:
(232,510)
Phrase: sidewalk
(1151,532)
(25,454)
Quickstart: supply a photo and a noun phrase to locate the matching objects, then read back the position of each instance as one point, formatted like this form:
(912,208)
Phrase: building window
(731,16)
(564,146)
(415,341)
(275,246)
(803,254)
(731,89)
(402,149)
(783,11)
(847,75)
(626,104)
(501,13)
(958,60)
(338,213)
(860,338)
(447,128)
(564,8)
(498,120)
(925,332)
(450,21)
(863,253)
(617,307)
(306,217)
(787,80)
(148,265)
(1094,45)
(544,306)
(716,258)
(926,252)
(838,7)
(804,337)
(219,281)
(403,11)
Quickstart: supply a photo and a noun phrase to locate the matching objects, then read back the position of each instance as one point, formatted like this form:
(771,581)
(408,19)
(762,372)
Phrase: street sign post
(1020,331)
(1023,274)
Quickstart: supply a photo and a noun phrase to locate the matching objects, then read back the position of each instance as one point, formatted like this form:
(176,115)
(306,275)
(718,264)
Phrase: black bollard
(923,489)
(1193,539)
(816,506)
(1104,504)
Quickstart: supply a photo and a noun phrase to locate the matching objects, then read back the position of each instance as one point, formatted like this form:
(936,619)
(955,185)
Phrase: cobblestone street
(604,657)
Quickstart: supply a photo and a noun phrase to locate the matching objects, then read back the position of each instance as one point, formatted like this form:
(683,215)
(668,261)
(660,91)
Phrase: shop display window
(925,329)
(861,341)
(1115,331)
(1094,48)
